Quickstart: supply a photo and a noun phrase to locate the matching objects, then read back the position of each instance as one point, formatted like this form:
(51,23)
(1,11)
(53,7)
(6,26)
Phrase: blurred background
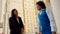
(27,11)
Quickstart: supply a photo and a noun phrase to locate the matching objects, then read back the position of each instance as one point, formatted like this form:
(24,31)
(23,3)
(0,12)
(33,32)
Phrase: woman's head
(14,13)
(40,5)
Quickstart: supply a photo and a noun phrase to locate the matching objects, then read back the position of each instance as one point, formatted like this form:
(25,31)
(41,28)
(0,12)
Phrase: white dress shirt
(18,20)
(51,18)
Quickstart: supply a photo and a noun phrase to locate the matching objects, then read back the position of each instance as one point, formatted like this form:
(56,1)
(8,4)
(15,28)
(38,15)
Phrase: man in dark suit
(15,23)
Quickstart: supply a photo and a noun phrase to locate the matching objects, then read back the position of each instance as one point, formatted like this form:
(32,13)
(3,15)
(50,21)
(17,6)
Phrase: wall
(1,25)
(56,12)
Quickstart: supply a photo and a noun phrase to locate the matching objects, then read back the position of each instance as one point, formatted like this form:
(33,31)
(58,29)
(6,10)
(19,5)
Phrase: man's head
(40,5)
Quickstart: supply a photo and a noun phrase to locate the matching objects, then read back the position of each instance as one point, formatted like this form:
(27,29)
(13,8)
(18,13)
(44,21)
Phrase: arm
(52,22)
(22,26)
(39,29)
(10,23)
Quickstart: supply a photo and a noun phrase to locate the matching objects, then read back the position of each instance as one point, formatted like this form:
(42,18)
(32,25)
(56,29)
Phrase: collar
(42,10)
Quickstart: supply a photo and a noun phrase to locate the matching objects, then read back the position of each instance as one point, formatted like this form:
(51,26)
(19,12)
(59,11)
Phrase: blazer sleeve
(10,23)
(21,22)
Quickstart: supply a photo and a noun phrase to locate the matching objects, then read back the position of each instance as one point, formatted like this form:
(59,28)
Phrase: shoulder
(19,17)
(39,14)
(44,11)
(10,18)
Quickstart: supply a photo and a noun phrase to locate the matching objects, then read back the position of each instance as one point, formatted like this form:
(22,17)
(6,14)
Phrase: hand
(37,33)
(53,32)
(40,32)
(22,30)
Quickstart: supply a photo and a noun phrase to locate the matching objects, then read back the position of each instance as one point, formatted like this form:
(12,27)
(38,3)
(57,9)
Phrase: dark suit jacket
(15,27)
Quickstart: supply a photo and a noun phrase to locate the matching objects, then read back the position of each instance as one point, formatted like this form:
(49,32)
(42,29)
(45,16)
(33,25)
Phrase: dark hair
(42,4)
(12,12)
